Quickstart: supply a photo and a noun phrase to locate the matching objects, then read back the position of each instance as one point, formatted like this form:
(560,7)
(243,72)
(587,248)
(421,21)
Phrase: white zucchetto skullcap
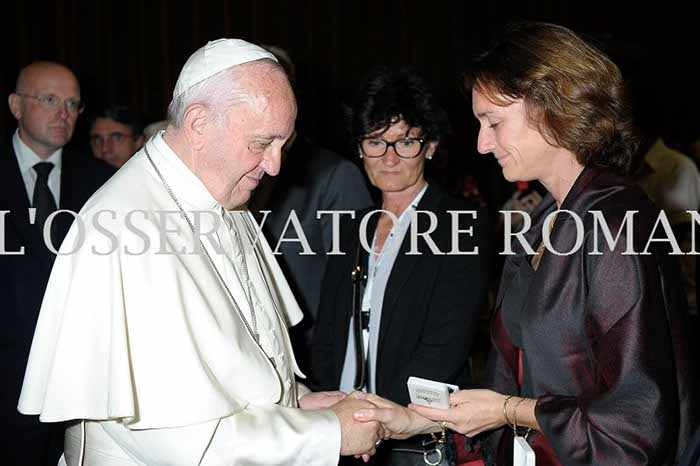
(214,58)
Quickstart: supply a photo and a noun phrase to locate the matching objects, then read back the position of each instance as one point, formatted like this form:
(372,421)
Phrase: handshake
(366,419)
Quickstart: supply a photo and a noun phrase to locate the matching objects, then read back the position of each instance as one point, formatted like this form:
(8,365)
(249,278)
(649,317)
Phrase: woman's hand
(399,422)
(472,411)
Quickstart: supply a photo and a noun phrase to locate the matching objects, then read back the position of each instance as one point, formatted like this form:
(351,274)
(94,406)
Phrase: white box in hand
(429,393)
(523,454)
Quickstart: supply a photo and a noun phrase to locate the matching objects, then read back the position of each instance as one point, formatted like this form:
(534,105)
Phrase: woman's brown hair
(574,94)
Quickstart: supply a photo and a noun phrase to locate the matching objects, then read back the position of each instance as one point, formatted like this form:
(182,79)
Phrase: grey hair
(218,93)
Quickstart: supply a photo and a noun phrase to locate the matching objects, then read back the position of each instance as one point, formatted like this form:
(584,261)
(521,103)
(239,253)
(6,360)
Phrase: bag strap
(359,277)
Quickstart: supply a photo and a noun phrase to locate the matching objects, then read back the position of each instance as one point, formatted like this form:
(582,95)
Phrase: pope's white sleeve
(302,390)
(275,435)
(259,435)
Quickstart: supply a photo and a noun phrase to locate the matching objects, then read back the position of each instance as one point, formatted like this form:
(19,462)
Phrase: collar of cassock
(184,184)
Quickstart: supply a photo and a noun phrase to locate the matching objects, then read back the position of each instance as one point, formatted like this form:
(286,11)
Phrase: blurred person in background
(116,134)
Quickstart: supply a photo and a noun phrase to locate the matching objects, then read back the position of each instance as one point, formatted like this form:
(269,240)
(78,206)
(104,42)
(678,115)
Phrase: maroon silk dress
(601,336)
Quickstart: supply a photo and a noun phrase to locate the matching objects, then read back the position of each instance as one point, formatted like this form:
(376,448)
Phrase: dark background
(131,51)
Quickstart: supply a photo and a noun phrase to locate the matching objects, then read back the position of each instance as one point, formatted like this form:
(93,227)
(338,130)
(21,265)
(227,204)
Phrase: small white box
(429,393)
(523,454)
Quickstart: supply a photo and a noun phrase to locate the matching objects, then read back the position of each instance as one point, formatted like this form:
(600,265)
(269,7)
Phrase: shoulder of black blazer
(337,277)
(81,176)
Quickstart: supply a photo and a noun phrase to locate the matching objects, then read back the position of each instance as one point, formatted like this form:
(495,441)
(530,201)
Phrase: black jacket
(23,279)
(430,308)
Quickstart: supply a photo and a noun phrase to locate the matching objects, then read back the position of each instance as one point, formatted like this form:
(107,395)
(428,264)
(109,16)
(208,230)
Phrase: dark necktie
(43,200)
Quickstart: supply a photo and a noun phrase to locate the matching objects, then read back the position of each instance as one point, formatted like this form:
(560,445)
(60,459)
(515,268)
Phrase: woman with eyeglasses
(412,305)
(589,363)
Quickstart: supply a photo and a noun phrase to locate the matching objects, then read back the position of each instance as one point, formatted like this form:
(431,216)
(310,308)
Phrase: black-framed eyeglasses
(74,106)
(406,148)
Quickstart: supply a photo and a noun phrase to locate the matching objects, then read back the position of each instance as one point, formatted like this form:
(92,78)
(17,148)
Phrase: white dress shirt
(27,158)
(379,268)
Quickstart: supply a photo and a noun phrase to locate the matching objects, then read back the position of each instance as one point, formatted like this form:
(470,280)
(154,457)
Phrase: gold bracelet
(515,416)
(443,438)
(505,411)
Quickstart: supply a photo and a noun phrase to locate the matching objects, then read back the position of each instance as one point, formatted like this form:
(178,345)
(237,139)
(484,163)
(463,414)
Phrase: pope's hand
(357,438)
(399,422)
(320,400)
(472,412)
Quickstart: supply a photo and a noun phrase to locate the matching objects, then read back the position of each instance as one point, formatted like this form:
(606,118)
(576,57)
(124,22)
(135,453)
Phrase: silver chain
(249,297)
(253,326)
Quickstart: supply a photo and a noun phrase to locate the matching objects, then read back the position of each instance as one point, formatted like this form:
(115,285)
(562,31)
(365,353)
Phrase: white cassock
(145,343)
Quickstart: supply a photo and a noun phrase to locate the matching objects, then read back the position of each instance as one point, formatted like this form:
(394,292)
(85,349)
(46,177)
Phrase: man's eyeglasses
(74,106)
(406,148)
(114,138)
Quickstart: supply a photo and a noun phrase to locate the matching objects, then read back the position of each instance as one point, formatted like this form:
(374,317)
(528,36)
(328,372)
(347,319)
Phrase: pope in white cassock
(163,331)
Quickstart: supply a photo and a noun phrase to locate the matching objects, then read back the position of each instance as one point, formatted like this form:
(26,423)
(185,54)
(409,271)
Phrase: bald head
(46,104)
(35,74)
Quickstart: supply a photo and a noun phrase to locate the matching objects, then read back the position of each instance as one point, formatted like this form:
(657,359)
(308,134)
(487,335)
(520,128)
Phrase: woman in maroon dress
(589,357)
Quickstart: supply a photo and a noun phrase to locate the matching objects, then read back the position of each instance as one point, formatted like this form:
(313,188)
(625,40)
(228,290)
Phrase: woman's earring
(429,157)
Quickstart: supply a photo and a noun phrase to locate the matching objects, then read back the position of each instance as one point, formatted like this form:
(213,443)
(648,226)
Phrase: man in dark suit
(37,177)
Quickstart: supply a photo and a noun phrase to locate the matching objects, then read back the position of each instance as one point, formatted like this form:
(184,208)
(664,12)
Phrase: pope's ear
(195,121)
